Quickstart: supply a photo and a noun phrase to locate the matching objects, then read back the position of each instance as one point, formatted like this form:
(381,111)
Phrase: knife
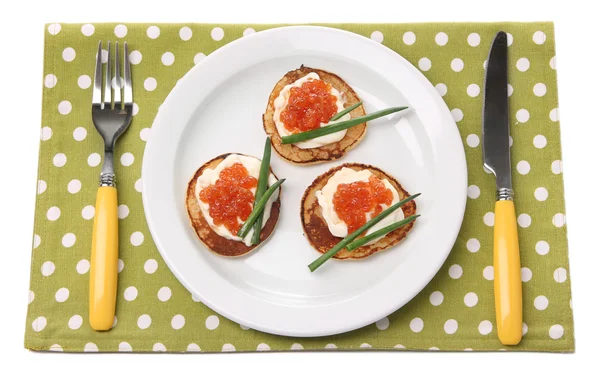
(496,156)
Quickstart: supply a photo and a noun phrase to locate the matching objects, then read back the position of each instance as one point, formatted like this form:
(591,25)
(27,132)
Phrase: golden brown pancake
(207,235)
(321,154)
(315,226)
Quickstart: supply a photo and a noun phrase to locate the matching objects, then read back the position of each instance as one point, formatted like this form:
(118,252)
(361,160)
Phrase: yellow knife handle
(507,274)
(104,260)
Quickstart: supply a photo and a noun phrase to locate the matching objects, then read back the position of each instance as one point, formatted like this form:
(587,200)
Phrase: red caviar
(230,197)
(308,106)
(353,201)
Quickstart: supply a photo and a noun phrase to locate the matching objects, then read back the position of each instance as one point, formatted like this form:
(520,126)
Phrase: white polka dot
(45,133)
(212,322)
(523,64)
(510,89)
(451,326)
(509,39)
(436,298)
(135,109)
(473,90)
(68,240)
(127,159)
(125,347)
(455,271)
(248,31)
(88,29)
(554,115)
(441,39)
(94,159)
(523,167)
(59,160)
(74,186)
(488,273)
(159,347)
(185,33)
(382,324)
(164,294)
(123,211)
(553,63)
(120,31)
(39,324)
(471,299)
(121,265)
(556,166)
(262,347)
(488,219)
(199,57)
(150,84)
(150,266)
(485,327)
(228,348)
(556,331)
(104,56)
(558,220)
(485,65)
(136,238)
(144,321)
(64,107)
(167,58)
(409,38)
(365,345)
(144,133)
(68,54)
(473,245)
(526,274)
(88,212)
(560,275)
(441,88)
(193,348)
(474,39)
(153,32)
(399,346)
(457,65)
(539,89)
(83,266)
(522,115)
(540,302)
(79,134)
(75,322)
(524,220)
(473,191)
(138,185)
(542,247)
(296,346)
(377,36)
(42,186)
(54,28)
(50,81)
(135,57)
(539,37)
(510,141)
(416,325)
(53,213)
(130,293)
(178,321)
(473,140)
(61,295)
(424,64)
(457,114)
(37,240)
(244,327)
(541,194)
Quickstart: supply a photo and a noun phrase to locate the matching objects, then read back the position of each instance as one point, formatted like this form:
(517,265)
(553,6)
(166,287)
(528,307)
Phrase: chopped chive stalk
(345,112)
(352,236)
(261,187)
(338,126)
(380,233)
(243,232)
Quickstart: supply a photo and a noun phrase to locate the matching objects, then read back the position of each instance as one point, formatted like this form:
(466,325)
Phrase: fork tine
(127,89)
(107,79)
(117,93)
(97,93)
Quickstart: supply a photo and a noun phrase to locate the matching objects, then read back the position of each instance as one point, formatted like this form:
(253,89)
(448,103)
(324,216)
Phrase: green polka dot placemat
(154,311)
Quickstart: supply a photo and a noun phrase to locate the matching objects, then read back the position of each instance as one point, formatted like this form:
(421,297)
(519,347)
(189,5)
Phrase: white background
(21,58)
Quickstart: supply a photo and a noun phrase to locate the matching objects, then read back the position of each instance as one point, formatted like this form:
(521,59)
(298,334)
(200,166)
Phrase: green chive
(345,111)
(380,233)
(258,209)
(351,237)
(336,127)
(261,187)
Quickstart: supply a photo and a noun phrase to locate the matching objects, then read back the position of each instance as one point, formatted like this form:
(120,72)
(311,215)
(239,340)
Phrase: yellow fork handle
(507,274)
(104,260)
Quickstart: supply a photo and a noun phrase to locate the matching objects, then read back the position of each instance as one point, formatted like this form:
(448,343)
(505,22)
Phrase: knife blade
(496,158)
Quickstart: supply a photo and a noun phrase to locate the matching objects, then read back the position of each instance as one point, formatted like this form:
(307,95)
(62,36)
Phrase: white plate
(217,108)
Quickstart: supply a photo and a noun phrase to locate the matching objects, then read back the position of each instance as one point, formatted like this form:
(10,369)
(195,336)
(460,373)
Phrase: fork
(111,118)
